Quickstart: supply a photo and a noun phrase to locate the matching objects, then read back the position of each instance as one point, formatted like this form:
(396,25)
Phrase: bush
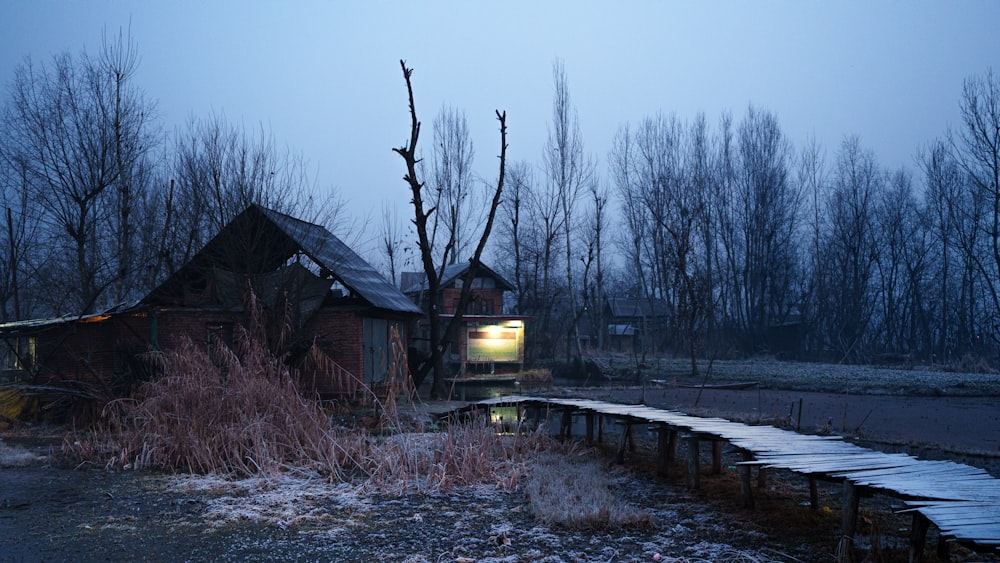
(223,413)
(576,492)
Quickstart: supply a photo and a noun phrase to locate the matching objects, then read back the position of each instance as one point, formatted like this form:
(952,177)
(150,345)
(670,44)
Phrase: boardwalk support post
(663,451)
(813,493)
(693,479)
(918,536)
(590,427)
(717,457)
(566,428)
(849,521)
(627,440)
(943,549)
(746,490)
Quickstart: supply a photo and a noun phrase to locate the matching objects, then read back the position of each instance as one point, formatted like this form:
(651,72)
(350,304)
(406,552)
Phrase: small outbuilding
(488,342)
(327,311)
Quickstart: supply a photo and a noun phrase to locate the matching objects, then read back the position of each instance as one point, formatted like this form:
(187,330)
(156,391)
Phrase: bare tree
(81,131)
(441,336)
(943,183)
(452,181)
(512,229)
(392,242)
(594,241)
(18,247)
(568,172)
(850,248)
(219,169)
(813,181)
(977,148)
(133,139)
(767,220)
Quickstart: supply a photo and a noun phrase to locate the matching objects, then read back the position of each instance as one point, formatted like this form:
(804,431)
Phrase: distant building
(341,318)
(636,325)
(487,341)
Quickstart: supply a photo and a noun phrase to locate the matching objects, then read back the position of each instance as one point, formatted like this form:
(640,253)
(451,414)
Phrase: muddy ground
(52,512)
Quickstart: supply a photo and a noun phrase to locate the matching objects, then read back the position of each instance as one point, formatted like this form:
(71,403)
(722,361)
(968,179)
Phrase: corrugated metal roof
(324,248)
(451,273)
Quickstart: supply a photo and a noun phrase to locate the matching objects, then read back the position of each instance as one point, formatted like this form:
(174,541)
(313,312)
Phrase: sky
(324,78)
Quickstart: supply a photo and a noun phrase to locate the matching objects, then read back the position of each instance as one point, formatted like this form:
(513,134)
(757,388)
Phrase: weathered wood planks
(962,501)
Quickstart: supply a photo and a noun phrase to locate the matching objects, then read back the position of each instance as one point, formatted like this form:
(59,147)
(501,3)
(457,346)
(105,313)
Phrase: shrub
(576,492)
(225,412)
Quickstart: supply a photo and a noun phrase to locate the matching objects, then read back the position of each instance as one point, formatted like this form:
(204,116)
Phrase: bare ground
(50,512)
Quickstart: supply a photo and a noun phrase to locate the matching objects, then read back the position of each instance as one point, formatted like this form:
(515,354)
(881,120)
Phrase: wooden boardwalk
(963,502)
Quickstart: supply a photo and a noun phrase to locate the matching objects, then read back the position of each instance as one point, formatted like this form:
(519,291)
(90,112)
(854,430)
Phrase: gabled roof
(452,273)
(634,308)
(261,240)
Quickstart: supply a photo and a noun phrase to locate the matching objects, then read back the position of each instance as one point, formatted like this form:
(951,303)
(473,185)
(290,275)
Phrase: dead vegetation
(240,412)
(575,492)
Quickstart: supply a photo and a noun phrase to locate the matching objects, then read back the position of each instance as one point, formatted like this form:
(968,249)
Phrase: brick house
(487,340)
(343,322)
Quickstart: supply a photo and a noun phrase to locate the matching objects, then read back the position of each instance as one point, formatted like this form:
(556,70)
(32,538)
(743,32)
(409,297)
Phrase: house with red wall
(487,340)
(338,323)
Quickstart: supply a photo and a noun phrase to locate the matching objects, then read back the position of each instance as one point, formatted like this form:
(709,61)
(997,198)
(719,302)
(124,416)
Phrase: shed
(342,324)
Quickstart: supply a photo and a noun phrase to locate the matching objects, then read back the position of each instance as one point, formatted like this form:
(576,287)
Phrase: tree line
(751,245)
(100,204)
(727,224)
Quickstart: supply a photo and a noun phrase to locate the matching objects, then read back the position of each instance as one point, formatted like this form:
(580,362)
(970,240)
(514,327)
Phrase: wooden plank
(962,501)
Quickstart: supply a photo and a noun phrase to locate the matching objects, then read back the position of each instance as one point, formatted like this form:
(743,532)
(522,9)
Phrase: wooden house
(636,325)
(487,341)
(334,317)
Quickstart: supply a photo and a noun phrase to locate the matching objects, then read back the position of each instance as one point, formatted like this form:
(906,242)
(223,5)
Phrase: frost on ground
(317,519)
(836,378)
(17,456)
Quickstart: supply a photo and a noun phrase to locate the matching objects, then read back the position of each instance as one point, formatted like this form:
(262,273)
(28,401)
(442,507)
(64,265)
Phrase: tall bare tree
(392,243)
(977,147)
(768,214)
(457,202)
(568,172)
(441,336)
(81,131)
(850,248)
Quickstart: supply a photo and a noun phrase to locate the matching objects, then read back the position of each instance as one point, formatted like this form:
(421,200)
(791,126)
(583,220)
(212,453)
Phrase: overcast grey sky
(324,77)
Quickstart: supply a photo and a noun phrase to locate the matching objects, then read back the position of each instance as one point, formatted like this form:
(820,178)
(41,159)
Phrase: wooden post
(813,493)
(717,457)
(600,429)
(663,451)
(761,477)
(943,549)
(590,427)
(693,478)
(849,521)
(918,536)
(630,428)
(672,446)
(623,442)
(746,491)
(566,429)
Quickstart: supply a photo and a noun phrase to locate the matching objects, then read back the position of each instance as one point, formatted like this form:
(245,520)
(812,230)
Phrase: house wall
(482,302)
(340,334)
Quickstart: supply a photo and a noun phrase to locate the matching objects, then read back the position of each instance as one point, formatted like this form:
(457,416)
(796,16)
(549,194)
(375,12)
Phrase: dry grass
(575,492)
(240,414)
(471,453)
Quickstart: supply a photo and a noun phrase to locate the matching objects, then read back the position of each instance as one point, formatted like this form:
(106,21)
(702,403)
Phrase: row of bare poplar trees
(738,242)
(728,230)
